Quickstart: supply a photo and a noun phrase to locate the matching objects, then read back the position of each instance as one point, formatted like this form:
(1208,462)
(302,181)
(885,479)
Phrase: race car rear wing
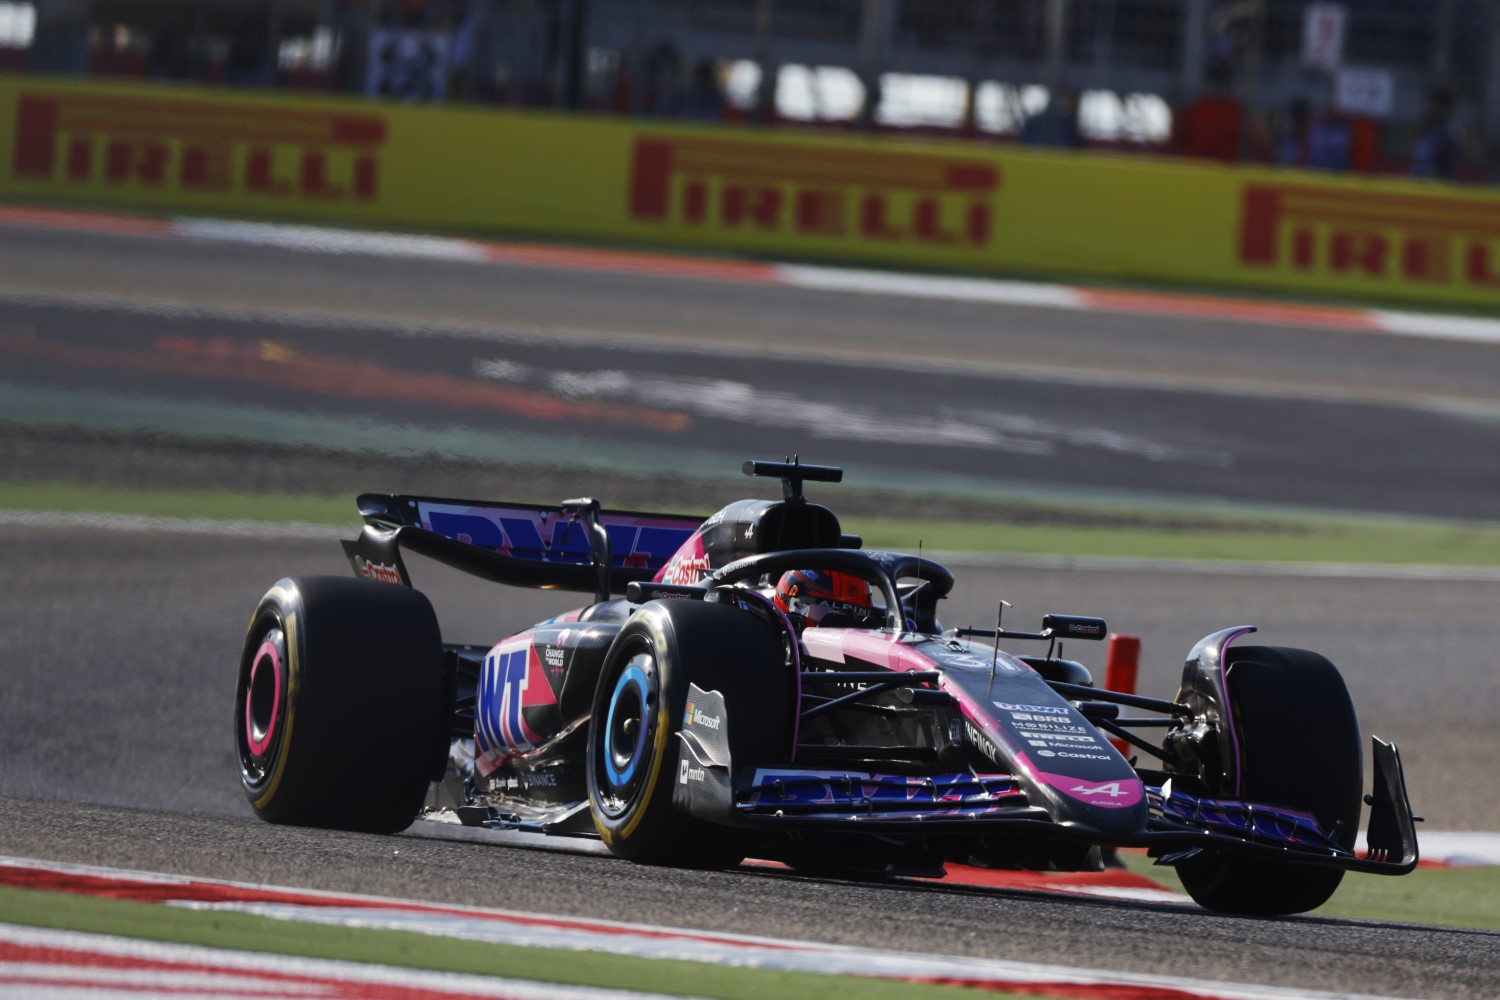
(575,545)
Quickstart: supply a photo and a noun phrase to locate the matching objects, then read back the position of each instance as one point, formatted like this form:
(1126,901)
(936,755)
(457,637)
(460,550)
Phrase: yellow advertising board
(781,194)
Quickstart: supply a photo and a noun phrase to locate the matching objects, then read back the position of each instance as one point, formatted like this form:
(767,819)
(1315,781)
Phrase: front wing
(1177,825)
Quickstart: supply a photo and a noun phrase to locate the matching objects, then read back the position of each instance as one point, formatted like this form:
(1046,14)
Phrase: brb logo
(895,198)
(198,146)
(1426,240)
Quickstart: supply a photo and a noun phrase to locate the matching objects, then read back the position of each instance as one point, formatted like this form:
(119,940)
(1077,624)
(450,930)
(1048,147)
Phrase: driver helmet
(816,595)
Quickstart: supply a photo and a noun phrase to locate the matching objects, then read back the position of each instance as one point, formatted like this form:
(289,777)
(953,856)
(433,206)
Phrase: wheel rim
(624,752)
(261,707)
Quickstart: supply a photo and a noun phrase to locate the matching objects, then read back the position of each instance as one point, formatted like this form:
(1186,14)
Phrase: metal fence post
(765,96)
(1194,39)
(1492,77)
(1057,41)
(1442,41)
(877,22)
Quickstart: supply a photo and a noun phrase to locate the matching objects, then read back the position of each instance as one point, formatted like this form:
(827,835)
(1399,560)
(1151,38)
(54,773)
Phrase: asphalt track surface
(1025,397)
(118,647)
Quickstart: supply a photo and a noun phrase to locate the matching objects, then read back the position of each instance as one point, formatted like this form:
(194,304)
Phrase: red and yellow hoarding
(782,194)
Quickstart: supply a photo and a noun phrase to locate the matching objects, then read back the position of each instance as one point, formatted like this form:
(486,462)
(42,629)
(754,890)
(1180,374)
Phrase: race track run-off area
(194,355)
(38,963)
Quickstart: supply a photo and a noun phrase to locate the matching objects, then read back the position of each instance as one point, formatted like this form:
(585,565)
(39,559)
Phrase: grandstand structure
(967,66)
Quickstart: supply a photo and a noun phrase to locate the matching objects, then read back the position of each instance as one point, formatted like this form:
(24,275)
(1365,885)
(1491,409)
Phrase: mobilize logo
(766,187)
(696,716)
(687,772)
(207,147)
(1040,728)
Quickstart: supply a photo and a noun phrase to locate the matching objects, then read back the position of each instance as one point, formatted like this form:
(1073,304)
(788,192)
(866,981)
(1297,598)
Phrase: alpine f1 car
(766,687)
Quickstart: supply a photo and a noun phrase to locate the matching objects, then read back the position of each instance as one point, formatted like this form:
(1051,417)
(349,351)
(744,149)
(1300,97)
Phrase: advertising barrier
(780,194)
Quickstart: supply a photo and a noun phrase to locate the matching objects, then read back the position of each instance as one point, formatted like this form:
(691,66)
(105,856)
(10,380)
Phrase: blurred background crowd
(1376,86)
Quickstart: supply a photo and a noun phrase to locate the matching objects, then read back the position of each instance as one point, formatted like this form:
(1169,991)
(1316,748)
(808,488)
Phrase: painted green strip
(1449,897)
(1320,541)
(242,932)
(1274,539)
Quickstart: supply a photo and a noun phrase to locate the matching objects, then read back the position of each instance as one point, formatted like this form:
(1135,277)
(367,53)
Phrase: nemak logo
(1400,239)
(798,190)
(193,146)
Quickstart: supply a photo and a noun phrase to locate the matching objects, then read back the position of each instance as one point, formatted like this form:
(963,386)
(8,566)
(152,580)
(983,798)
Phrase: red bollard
(1121,664)
(1120,668)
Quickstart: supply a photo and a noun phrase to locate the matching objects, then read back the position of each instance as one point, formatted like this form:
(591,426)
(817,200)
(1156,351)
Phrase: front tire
(638,709)
(339,709)
(1299,748)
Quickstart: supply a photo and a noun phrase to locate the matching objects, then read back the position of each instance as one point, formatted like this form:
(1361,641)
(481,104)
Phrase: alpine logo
(1112,789)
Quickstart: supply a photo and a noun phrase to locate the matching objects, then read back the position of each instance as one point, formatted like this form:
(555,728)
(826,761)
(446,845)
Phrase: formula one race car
(766,687)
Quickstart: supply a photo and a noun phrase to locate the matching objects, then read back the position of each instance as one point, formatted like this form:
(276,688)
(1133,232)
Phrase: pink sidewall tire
(340,717)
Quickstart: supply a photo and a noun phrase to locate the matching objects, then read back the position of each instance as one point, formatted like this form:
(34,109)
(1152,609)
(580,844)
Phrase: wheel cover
(261,708)
(625,750)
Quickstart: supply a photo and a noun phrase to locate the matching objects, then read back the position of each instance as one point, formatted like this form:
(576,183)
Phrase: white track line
(988,290)
(320,239)
(1479,331)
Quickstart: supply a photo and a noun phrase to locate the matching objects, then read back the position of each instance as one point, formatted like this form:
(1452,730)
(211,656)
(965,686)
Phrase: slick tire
(339,714)
(637,711)
(1299,748)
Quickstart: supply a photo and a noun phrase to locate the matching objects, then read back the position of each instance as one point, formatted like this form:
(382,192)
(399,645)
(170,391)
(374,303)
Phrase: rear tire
(638,709)
(1299,748)
(339,710)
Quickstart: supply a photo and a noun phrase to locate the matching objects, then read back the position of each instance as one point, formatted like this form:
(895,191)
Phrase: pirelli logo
(1401,239)
(189,146)
(779,188)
